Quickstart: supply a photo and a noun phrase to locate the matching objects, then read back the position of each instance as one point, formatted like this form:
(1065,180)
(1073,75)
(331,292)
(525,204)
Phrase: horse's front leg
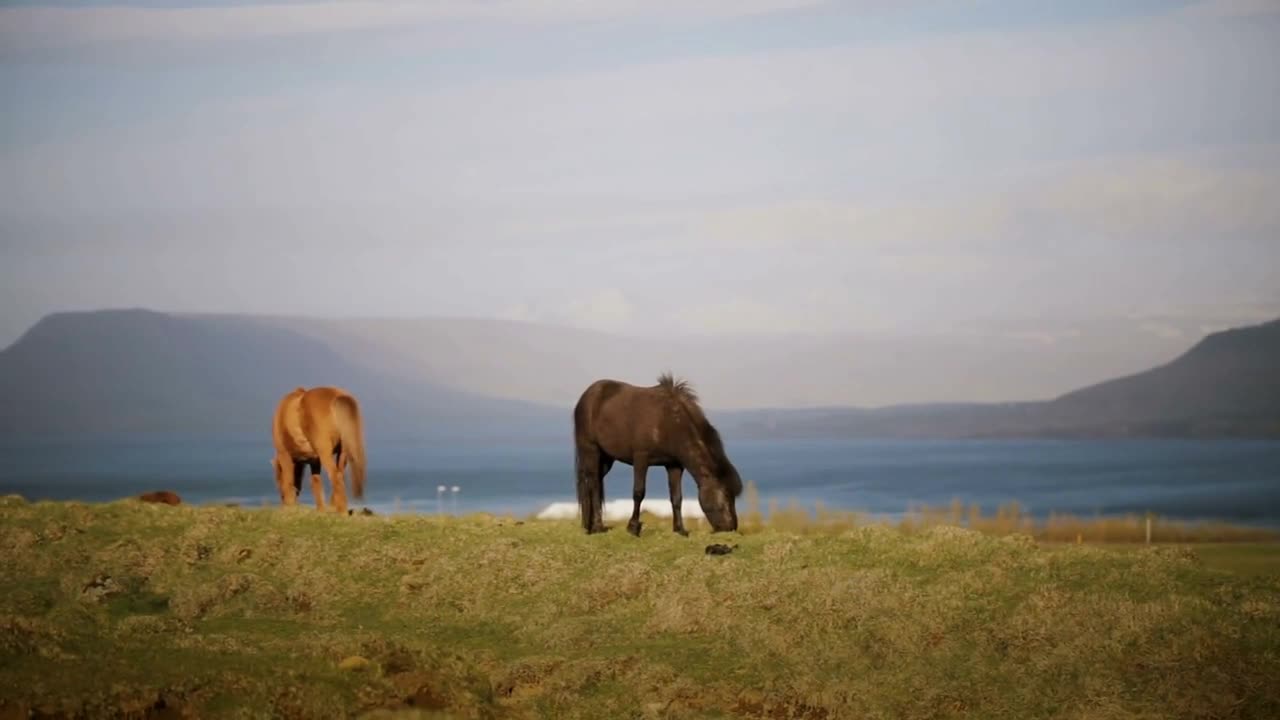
(674,475)
(640,465)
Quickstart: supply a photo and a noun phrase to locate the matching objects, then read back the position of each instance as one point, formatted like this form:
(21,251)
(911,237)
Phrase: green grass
(1241,559)
(156,611)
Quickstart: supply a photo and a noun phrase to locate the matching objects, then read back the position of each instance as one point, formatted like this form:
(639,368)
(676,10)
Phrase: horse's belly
(626,453)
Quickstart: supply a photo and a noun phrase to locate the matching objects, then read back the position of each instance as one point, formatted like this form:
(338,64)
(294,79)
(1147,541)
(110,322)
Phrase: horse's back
(622,418)
(602,393)
(318,397)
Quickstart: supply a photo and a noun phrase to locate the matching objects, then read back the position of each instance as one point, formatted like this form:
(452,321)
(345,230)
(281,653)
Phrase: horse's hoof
(682,532)
(634,529)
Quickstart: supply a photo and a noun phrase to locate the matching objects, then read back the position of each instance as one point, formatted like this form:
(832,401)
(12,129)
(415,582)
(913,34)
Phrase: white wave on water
(615,510)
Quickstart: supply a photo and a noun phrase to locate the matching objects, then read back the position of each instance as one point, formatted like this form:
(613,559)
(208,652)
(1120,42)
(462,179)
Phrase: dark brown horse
(646,426)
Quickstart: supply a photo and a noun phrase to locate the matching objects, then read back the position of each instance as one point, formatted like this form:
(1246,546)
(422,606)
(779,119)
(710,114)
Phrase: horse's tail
(586,507)
(346,412)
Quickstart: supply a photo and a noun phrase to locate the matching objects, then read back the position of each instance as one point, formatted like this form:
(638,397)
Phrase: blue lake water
(1230,480)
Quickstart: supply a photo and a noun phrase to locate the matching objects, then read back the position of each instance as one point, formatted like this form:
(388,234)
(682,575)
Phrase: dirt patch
(526,678)
(422,690)
(145,704)
(759,705)
(100,588)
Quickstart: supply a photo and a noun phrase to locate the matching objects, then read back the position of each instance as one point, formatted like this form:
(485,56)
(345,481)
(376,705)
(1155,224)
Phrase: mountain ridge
(1227,384)
(157,370)
(138,370)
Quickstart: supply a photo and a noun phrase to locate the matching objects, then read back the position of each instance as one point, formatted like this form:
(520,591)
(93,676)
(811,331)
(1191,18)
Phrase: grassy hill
(226,612)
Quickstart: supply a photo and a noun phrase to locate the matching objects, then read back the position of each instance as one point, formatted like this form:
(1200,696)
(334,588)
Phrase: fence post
(1148,528)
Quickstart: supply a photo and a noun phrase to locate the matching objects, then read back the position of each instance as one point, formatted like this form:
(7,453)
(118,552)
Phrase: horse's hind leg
(640,465)
(297,482)
(285,473)
(674,475)
(317,485)
(336,483)
(592,467)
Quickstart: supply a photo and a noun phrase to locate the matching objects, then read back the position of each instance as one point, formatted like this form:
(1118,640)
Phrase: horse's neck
(696,459)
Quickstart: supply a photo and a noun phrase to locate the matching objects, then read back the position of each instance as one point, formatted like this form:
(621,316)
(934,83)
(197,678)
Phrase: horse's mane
(688,399)
(680,388)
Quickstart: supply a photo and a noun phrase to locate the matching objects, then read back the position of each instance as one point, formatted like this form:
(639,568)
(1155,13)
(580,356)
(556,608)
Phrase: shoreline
(819,519)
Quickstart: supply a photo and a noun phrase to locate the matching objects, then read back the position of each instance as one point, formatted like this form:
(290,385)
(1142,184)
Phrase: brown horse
(645,426)
(318,428)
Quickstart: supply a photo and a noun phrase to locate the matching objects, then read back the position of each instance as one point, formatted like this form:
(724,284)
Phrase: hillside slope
(1229,379)
(126,609)
(136,370)
(1228,384)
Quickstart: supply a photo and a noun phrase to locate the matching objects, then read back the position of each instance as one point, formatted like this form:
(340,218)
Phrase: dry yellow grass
(1009,519)
(136,610)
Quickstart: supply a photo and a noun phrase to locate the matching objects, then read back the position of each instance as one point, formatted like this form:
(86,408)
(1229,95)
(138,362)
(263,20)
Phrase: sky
(703,167)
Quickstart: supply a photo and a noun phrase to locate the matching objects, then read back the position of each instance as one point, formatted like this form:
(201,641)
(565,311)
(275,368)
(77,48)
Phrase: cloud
(735,316)
(932,177)
(831,224)
(1156,198)
(1231,9)
(1165,196)
(606,309)
(49,27)
(1163,330)
(1043,336)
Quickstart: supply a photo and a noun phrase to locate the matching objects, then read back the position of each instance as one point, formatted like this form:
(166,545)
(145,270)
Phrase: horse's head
(718,498)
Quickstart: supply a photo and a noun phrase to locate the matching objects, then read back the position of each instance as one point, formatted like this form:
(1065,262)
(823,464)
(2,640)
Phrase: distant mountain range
(143,371)
(1228,384)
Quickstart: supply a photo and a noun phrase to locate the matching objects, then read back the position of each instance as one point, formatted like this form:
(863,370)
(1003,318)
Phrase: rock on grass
(354,663)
